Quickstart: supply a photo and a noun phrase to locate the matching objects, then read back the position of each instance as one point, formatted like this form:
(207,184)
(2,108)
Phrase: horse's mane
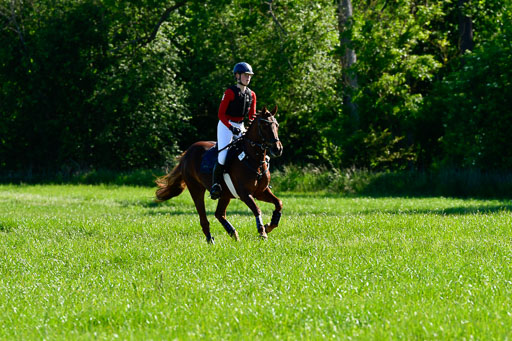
(252,122)
(258,114)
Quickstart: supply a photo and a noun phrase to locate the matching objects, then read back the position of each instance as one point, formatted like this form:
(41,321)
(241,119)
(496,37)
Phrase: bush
(69,99)
(447,182)
(477,114)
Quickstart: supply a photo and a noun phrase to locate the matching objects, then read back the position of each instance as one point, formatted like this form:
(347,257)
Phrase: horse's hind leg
(197,193)
(268,196)
(220,214)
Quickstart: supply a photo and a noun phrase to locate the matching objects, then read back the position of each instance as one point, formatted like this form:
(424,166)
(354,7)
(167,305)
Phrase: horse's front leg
(249,201)
(220,214)
(268,196)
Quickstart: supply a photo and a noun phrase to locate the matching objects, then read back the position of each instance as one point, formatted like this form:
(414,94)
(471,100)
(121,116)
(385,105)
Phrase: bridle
(265,144)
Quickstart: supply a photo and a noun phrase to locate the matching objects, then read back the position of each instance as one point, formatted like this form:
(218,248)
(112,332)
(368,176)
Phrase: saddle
(210,157)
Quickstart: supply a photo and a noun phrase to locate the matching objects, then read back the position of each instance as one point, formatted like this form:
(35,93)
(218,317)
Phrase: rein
(246,157)
(264,145)
(256,144)
(231,143)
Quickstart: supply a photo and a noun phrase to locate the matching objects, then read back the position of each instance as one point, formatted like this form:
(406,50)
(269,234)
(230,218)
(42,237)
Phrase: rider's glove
(235,130)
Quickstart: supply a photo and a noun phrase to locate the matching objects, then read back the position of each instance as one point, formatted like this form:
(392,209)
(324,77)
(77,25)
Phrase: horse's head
(267,131)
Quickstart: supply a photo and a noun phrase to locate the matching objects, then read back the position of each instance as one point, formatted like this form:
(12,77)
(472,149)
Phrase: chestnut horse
(249,174)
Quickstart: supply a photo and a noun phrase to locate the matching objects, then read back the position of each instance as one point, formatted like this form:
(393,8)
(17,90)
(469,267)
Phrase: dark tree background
(374,84)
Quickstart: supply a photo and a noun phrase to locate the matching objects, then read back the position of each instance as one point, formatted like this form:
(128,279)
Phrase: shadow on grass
(458,210)
(6,227)
(159,209)
(455,183)
(194,213)
(469,210)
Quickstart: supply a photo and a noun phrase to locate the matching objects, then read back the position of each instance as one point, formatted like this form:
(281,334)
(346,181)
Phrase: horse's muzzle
(276,150)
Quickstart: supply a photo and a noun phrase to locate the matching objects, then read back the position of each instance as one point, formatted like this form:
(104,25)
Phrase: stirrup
(216,191)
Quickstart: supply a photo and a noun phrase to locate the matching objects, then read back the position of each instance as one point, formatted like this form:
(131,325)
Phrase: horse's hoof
(235,237)
(263,235)
(210,240)
(269,228)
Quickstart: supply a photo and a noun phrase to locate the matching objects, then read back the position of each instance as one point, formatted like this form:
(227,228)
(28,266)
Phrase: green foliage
(70,100)
(123,85)
(396,62)
(403,48)
(477,113)
(290,55)
(146,102)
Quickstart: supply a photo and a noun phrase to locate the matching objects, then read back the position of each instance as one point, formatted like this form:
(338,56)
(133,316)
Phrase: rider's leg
(224,137)
(216,190)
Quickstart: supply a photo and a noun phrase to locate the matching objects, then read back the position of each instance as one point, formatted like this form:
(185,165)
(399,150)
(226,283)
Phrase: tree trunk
(348,58)
(465,28)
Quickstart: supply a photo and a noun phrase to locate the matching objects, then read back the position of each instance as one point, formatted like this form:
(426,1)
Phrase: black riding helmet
(243,67)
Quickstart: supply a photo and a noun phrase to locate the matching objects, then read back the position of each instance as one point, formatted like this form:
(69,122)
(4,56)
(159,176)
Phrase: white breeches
(224,137)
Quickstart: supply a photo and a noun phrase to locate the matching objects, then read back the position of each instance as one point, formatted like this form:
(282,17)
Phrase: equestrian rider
(237,103)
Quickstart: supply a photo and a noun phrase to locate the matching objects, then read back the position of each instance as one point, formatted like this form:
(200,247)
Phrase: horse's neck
(252,145)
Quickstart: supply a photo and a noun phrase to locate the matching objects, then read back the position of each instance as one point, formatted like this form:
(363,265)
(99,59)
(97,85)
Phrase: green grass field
(105,262)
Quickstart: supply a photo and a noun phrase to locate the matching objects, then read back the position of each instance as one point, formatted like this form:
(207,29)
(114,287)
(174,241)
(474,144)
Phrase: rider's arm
(252,110)
(229,95)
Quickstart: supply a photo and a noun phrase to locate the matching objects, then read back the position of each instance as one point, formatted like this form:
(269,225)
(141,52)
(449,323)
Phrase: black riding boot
(218,172)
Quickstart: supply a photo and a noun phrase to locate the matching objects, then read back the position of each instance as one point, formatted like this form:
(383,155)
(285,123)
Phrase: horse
(249,173)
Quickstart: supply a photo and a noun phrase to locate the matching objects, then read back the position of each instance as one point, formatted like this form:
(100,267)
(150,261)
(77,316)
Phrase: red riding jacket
(233,104)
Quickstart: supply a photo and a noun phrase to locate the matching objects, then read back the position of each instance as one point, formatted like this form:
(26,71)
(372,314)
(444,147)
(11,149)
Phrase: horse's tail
(170,185)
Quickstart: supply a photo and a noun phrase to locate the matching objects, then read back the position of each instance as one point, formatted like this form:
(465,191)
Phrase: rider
(238,101)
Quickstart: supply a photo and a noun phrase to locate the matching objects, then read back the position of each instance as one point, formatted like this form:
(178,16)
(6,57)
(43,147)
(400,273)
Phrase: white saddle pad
(230,185)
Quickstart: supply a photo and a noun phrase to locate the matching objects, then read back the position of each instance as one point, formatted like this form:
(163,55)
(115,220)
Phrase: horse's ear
(274,111)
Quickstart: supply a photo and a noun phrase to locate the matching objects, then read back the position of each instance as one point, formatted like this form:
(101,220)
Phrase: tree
(289,45)
(395,64)
(73,99)
(348,59)
(83,82)
(474,104)
(465,27)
